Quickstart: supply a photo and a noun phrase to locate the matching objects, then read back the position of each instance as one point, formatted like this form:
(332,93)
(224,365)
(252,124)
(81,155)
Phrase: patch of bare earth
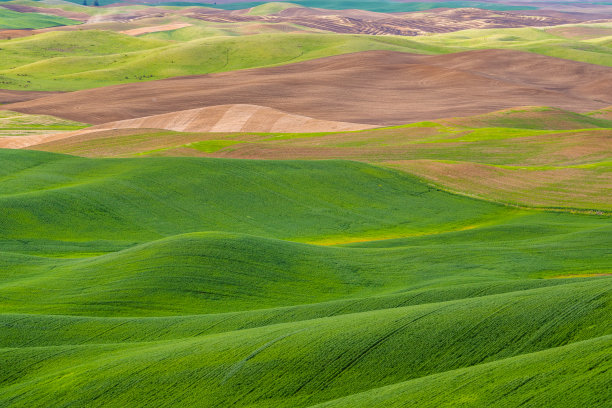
(374,87)
(155,29)
(234,118)
(8,96)
(558,188)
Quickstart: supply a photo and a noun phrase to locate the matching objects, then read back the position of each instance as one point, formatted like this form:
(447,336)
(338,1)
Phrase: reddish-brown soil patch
(374,87)
(9,96)
(10,34)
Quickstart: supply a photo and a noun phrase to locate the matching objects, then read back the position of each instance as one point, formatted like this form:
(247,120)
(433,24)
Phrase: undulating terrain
(322,203)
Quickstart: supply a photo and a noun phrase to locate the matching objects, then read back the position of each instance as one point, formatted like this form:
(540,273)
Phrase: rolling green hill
(529,156)
(15,20)
(537,40)
(72,60)
(258,192)
(546,377)
(304,363)
(270,8)
(192,281)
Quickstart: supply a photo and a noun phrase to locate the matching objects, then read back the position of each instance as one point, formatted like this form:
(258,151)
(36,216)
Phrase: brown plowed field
(9,96)
(366,22)
(374,87)
(10,34)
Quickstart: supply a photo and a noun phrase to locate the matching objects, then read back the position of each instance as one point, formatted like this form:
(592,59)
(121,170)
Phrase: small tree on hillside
(96,4)
(84,2)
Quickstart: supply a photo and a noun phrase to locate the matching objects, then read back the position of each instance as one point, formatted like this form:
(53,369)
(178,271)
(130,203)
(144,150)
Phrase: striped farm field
(527,157)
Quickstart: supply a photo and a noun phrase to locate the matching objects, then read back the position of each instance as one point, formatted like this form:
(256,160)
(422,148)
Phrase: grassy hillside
(546,377)
(530,156)
(270,8)
(225,272)
(14,20)
(126,282)
(532,117)
(272,366)
(537,40)
(71,60)
(324,204)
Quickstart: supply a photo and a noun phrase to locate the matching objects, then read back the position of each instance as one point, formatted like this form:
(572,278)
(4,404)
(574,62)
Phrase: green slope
(221,272)
(190,281)
(533,117)
(72,60)
(18,21)
(535,40)
(86,59)
(546,380)
(528,156)
(265,9)
(283,199)
(303,363)
(24,330)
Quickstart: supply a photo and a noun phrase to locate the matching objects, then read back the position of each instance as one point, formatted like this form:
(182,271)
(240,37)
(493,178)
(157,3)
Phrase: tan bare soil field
(155,29)
(233,118)
(224,118)
(374,87)
(20,142)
